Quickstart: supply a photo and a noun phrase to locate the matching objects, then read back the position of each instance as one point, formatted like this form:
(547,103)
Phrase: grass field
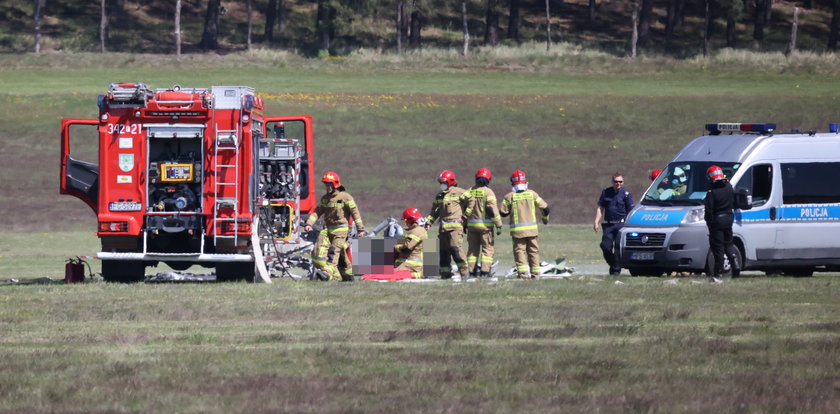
(586,343)
(388,126)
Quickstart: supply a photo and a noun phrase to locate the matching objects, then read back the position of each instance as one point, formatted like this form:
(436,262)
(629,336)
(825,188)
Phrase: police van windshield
(684,183)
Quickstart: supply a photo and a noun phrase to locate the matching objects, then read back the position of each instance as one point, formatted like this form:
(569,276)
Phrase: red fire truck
(190,176)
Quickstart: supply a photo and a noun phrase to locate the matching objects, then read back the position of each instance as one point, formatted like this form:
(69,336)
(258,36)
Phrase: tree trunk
(416,26)
(680,14)
(39,11)
(282,15)
(400,7)
(791,49)
(763,11)
(644,21)
(731,32)
(178,27)
(250,23)
(514,21)
(323,25)
(270,18)
(707,30)
(210,36)
(834,31)
(635,39)
(592,9)
(103,24)
(671,19)
(406,21)
(465,51)
(491,24)
(547,27)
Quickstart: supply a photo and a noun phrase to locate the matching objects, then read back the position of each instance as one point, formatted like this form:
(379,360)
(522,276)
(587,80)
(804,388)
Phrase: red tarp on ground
(396,275)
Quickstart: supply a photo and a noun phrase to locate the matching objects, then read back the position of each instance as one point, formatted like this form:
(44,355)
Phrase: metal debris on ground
(180,277)
(556,270)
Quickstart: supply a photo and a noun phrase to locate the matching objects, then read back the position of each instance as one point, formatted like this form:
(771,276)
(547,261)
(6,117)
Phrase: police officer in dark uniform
(613,206)
(719,215)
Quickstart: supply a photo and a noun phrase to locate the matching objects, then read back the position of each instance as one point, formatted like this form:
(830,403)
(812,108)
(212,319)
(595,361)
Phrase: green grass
(584,344)
(389,125)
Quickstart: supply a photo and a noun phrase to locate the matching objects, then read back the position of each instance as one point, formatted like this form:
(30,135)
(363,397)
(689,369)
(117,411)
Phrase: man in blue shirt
(613,206)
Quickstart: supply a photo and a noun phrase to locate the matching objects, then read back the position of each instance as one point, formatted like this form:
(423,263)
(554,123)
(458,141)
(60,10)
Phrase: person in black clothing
(613,206)
(719,215)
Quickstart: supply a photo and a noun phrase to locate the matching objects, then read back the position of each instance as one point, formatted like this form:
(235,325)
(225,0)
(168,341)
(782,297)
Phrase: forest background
(679,28)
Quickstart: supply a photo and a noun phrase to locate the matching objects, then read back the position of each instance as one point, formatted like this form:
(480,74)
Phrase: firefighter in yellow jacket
(481,214)
(336,208)
(409,248)
(447,208)
(522,205)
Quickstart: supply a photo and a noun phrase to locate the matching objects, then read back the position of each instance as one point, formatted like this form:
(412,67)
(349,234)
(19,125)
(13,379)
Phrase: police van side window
(810,183)
(759,181)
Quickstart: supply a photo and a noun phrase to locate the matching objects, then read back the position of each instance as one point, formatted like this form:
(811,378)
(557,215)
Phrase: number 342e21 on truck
(190,176)
(788,215)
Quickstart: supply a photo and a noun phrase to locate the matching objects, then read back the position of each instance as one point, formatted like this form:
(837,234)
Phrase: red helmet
(715,173)
(411,215)
(518,177)
(654,174)
(447,177)
(332,178)
(483,173)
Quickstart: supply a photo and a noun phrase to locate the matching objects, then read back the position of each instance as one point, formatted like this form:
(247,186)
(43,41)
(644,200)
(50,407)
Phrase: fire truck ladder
(227,141)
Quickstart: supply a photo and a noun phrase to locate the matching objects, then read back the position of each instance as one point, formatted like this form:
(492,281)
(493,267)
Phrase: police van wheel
(799,272)
(123,271)
(645,271)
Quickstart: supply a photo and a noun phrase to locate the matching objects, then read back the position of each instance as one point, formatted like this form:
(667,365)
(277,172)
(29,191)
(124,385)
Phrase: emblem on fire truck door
(126,162)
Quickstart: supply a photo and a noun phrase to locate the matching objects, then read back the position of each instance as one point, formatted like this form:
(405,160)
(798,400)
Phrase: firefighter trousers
(330,254)
(450,249)
(526,255)
(480,251)
(412,264)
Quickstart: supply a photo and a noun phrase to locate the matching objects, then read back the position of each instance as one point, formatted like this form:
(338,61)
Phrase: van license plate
(641,255)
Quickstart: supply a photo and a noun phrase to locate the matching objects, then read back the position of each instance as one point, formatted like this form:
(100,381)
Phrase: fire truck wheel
(123,271)
(235,271)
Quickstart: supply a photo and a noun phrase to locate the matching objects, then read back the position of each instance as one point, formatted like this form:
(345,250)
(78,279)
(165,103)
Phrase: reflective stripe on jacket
(522,208)
(447,208)
(481,210)
(337,209)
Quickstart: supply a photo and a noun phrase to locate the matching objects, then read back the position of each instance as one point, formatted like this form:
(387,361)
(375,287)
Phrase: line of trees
(335,18)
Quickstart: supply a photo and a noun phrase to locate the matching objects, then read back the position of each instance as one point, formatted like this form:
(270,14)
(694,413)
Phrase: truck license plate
(641,255)
(125,206)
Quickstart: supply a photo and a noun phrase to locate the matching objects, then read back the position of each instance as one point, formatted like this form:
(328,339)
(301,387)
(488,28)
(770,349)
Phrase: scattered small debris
(180,277)
(671,281)
(618,282)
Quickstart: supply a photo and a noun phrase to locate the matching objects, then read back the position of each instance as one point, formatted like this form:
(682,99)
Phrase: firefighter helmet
(411,215)
(518,177)
(447,177)
(483,173)
(332,178)
(654,174)
(715,173)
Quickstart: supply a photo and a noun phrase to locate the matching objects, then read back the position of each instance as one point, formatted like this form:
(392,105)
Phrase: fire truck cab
(190,176)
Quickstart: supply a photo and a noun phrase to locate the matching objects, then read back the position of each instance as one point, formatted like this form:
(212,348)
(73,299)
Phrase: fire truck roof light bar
(717,128)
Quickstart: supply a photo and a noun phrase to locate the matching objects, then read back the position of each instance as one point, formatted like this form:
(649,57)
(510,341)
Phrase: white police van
(788,219)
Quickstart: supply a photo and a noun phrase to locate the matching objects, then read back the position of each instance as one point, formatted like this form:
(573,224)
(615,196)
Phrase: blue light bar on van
(738,127)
